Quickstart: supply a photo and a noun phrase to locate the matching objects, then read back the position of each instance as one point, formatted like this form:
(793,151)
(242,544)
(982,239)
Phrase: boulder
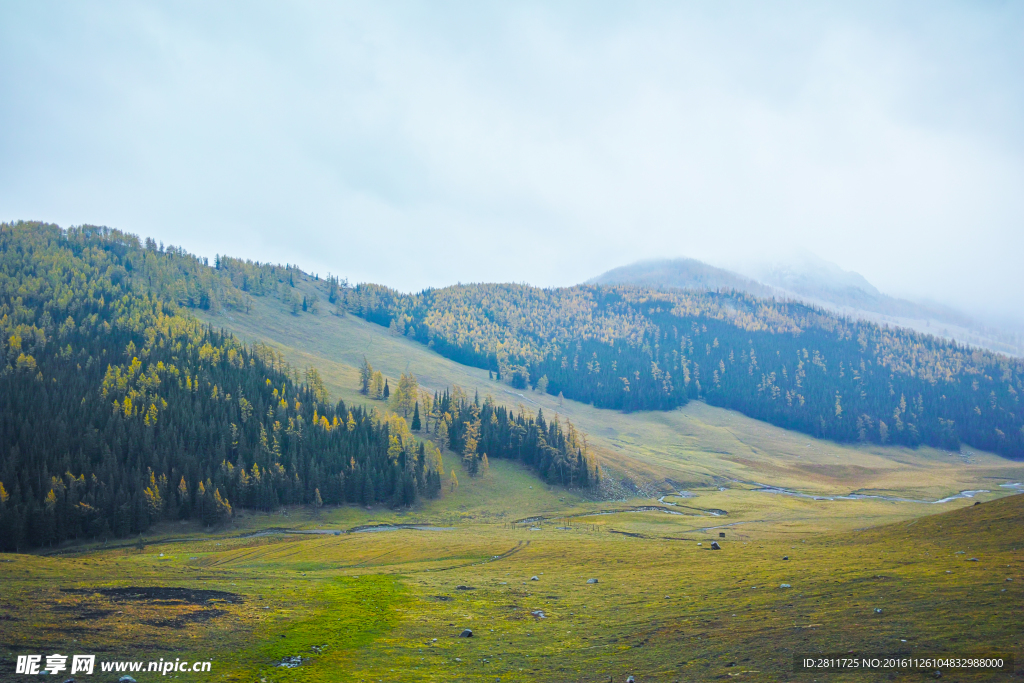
(465,588)
(126,679)
(785,557)
(534,578)
(715,546)
(784,585)
(595,580)
(466,633)
(878,610)
(290,662)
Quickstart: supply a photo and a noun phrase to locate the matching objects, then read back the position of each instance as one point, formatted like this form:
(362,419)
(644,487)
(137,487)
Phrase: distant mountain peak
(680,273)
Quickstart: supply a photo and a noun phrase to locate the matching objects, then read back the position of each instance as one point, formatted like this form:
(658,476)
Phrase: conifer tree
(369,492)
(365,377)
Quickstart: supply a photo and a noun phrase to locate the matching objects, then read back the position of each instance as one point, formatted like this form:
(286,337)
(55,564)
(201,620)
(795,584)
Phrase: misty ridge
(810,279)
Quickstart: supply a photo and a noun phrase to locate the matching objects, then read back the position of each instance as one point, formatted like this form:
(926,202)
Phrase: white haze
(419,144)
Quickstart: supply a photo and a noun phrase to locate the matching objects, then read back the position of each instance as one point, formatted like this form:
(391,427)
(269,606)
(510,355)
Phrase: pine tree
(470,441)
(366,376)
(416,418)
(369,492)
(387,391)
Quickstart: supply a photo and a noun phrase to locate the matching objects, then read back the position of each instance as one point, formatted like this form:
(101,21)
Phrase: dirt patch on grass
(92,614)
(161,595)
(182,620)
(626,533)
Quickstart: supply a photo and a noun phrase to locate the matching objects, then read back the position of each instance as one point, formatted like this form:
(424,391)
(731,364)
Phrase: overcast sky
(418,144)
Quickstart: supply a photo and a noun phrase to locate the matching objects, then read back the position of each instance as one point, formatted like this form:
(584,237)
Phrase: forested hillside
(118,410)
(795,366)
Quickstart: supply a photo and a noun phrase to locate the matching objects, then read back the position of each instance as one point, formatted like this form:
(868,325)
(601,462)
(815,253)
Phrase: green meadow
(390,605)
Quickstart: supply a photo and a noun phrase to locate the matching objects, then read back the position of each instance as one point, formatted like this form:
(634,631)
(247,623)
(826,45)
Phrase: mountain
(813,280)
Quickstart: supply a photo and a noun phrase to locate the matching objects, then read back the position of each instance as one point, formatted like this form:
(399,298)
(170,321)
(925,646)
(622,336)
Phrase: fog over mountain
(682,273)
(807,277)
